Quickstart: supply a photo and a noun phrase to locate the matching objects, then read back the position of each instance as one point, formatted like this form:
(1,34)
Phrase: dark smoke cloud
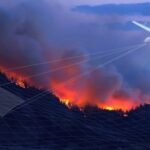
(34,32)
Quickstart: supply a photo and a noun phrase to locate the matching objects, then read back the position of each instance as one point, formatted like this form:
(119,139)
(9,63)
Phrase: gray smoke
(34,32)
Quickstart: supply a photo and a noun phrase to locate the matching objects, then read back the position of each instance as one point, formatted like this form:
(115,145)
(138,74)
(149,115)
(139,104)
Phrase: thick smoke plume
(35,32)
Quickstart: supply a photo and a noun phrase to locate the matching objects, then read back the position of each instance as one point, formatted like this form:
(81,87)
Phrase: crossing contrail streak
(67,66)
(45,92)
(69,58)
(108,62)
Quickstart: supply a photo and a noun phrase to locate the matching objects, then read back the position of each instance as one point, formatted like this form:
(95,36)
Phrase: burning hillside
(85,92)
(47,124)
(47,53)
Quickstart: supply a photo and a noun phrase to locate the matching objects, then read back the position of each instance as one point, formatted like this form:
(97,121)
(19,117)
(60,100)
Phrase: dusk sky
(74,74)
(96,2)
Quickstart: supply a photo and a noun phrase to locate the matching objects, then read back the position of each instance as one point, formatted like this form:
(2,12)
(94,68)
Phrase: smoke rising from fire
(35,32)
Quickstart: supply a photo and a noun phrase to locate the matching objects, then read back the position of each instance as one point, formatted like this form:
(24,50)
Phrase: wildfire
(119,104)
(20,83)
(66,102)
(14,78)
(108,108)
(71,96)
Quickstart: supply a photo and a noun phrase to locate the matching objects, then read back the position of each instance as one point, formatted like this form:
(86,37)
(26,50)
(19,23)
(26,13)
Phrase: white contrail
(141,26)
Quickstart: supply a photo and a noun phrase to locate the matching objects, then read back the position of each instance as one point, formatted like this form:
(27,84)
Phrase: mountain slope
(47,124)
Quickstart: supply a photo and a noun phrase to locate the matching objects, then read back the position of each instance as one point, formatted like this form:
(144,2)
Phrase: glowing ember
(20,83)
(108,108)
(14,78)
(66,102)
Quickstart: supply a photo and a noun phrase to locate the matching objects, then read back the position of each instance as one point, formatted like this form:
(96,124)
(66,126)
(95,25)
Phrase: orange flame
(71,96)
(110,108)
(20,83)
(119,104)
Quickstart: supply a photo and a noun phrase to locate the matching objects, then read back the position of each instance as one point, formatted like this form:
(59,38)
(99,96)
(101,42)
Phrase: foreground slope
(47,124)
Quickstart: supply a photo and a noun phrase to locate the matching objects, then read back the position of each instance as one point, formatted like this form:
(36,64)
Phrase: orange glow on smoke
(72,96)
(14,78)
(119,104)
